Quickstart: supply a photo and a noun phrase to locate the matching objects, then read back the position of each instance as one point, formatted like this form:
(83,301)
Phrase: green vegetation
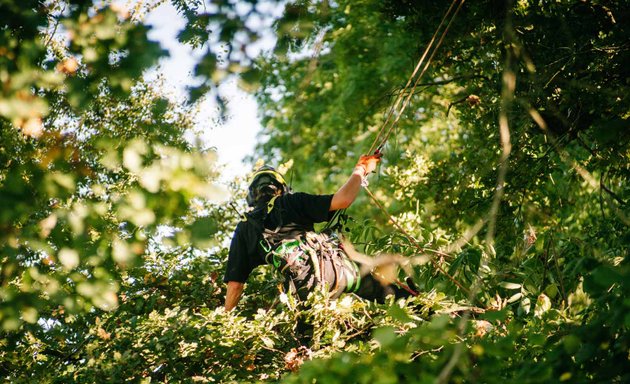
(508,169)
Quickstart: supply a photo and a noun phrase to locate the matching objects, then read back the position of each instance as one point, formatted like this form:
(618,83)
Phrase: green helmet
(266,182)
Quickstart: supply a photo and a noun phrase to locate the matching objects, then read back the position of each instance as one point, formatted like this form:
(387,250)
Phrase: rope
(415,243)
(401,285)
(420,62)
(417,81)
(383,138)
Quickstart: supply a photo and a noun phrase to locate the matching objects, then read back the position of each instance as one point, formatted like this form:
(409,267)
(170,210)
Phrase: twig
(509,84)
(560,280)
(610,192)
(420,353)
(450,105)
(52,34)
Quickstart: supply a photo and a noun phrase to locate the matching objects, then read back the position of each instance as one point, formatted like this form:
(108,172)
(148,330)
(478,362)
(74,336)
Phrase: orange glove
(369,162)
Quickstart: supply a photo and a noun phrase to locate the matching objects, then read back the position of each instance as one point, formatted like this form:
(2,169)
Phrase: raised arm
(348,192)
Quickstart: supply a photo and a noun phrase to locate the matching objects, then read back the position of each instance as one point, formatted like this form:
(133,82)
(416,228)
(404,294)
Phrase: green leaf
(385,336)
(606,276)
(537,339)
(398,314)
(543,304)
(552,290)
(455,265)
(203,228)
(493,316)
(571,343)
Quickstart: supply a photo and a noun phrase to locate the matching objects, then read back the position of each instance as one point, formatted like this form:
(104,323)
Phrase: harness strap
(337,274)
(353,285)
(271,203)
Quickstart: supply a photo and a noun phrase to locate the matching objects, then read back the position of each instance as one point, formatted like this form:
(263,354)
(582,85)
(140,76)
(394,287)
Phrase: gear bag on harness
(307,259)
(311,259)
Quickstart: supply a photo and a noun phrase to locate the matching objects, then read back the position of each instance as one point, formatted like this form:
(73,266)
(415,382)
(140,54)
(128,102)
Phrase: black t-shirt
(246,253)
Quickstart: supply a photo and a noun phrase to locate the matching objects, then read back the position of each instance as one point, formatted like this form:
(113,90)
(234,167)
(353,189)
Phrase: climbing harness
(313,259)
(307,259)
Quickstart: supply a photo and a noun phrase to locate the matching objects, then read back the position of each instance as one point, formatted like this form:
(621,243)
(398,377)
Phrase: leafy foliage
(93,165)
(558,220)
(112,248)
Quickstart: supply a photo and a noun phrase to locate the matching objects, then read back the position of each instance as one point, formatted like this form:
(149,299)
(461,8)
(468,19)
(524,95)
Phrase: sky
(234,139)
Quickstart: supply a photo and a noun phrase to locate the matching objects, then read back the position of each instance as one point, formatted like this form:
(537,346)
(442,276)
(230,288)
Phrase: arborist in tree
(279,231)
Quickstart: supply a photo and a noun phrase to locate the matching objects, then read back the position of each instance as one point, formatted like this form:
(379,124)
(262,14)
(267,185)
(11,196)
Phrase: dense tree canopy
(504,183)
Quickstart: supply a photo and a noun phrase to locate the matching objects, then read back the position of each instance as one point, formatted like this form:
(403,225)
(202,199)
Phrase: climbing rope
(385,130)
(400,97)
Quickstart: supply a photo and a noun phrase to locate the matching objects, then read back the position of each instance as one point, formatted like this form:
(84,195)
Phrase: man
(279,231)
